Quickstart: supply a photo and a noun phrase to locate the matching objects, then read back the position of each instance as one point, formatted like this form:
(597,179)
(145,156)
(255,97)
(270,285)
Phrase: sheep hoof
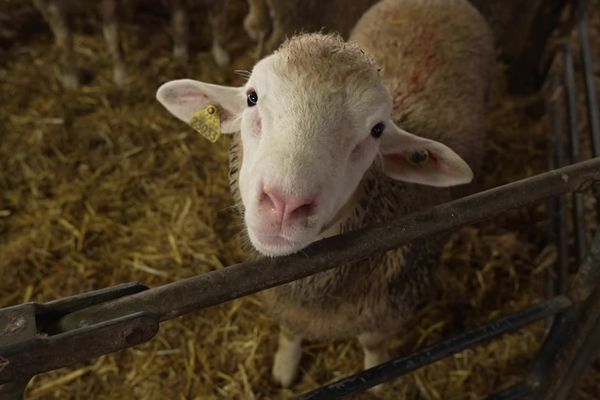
(287,360)
(372,360)
(375,353)
(283,372)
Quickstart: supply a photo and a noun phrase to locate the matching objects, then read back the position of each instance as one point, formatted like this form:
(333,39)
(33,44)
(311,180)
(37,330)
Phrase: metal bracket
(29,345)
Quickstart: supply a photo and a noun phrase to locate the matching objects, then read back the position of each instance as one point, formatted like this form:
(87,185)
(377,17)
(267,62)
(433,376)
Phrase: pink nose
(285,208)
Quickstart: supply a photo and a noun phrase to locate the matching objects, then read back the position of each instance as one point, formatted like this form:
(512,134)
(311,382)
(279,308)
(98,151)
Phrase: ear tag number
(207,122)
(418,158)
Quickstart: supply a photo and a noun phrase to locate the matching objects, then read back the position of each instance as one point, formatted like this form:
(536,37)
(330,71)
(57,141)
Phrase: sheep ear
(184,97)
(409,158)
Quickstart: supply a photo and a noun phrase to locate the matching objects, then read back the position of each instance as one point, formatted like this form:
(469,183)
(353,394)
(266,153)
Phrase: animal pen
(40,336)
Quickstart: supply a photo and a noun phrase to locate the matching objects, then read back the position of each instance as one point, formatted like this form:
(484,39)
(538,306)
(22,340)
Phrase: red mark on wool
(426,63)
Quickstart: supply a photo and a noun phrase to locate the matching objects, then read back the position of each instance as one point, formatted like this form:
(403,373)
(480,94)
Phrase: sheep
(257,24)
(53,12)
(269,22)
(324,147)
(56,13)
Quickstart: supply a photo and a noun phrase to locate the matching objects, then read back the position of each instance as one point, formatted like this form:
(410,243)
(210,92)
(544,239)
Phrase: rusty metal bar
(403,365)
(62,326)
(174,299)
(38,354)
(559,282)
(28,347)
(577,198)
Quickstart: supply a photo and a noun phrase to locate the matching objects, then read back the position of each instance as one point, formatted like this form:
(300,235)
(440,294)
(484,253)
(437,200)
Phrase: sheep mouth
(272,240)
(276,245)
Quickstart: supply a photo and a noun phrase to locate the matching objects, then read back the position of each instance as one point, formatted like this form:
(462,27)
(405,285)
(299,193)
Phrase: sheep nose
(286,208)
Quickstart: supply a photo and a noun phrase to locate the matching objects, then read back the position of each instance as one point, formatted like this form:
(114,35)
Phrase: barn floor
(102,186)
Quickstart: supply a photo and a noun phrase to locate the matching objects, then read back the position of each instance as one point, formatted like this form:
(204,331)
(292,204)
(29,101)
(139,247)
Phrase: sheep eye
(252,99)
(377,130)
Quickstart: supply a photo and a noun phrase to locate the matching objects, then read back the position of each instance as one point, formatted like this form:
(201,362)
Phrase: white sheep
(323,147)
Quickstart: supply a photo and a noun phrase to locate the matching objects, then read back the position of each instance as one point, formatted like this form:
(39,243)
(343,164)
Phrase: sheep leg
(180,27)
(110,29)
(257,19)
(218,21)
(287,358)
(260,47)
(53,12)
(258,24)
(375,350)
(374,346)
(220,54)
(277,30)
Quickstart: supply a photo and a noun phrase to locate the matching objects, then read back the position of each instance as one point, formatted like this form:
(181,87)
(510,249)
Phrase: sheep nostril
(286,207)
(302,211)
(268,202)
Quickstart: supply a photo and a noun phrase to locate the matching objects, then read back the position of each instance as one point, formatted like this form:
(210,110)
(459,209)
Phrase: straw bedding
(101,186)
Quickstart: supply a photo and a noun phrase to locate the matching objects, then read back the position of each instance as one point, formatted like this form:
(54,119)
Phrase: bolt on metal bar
(403,365)
(174,299)
(577,198)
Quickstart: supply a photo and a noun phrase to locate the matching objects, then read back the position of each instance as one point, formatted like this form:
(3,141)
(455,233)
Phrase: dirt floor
(102,186)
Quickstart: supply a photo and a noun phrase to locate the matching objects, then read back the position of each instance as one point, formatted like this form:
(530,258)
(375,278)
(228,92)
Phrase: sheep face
(313,117)
(306,145)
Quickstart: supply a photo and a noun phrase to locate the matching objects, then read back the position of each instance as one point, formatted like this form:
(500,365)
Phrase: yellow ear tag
(418,157)
(207,122)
